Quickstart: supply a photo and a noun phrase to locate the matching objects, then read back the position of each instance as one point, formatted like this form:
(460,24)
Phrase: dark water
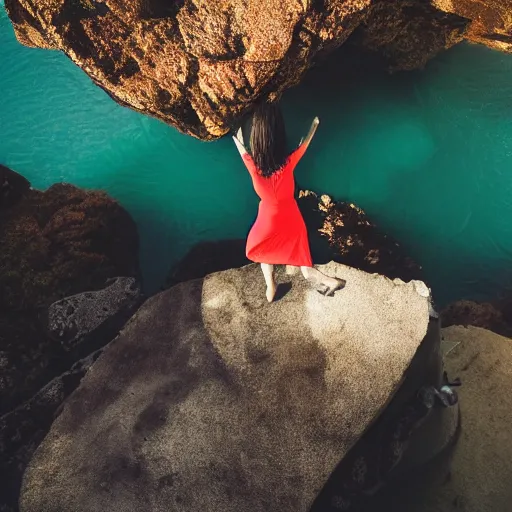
(427,154)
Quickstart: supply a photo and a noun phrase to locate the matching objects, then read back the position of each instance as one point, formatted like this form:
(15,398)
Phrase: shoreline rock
(201,68)
(480,471)
(494,316)
(261,401)
(55,243)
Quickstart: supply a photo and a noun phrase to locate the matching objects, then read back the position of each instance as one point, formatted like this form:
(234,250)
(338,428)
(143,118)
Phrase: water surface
(427,154)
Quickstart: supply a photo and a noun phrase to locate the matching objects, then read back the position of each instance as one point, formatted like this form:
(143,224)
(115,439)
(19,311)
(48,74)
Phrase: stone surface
(22,429)
(494,316)
(411,432)
(75,320)
(200,65)
(478,314)
(409,33)
(480,476)
(212,399)
(354,239)
(13,187)
(491,20)
(81,323)
(54,244)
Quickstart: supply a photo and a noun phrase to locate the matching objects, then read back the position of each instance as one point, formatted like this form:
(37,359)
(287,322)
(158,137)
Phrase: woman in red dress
(279,236)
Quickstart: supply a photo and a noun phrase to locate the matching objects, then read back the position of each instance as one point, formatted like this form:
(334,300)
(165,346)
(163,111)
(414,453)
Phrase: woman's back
(278,187)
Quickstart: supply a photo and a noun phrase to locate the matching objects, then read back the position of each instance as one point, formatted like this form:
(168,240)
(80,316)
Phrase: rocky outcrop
(213,399)
(54,244)
(201,64)
(22,429)
(490,20)
(81,324)
(494,316)
(480,474)
(57,242)
(338,231)
(81,318)
(13,187)
(353,239)
(409,33)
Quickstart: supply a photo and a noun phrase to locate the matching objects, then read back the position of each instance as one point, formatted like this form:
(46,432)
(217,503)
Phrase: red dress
(279,235)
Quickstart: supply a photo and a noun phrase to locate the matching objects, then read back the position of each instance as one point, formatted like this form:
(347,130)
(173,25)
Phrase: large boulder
(201,64)
(78,320)
(81,324)
(213,399)
(54,244)
(22,429)
(480,468)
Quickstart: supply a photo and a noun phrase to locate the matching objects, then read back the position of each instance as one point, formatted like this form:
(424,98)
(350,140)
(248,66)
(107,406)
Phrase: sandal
(340,284)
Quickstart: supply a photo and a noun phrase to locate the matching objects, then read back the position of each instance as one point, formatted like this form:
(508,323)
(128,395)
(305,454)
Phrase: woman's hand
(239,142)
(239,135)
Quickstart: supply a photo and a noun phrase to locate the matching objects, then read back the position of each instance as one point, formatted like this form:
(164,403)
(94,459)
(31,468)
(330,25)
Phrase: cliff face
(54,244)
(201,64)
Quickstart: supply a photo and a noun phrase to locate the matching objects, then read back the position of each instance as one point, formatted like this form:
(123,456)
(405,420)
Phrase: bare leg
(268,274)
(323,283)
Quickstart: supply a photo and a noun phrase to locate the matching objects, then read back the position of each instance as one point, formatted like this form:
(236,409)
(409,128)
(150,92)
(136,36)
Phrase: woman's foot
(268,273)
(330,285)
(271,292)
(323,284)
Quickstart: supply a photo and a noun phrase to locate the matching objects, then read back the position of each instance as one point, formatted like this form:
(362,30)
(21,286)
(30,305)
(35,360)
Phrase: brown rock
(408,34)
(354,239)
(494,316)
(481,473)
(468,312)
(13,187)
(54,244)
(490,20)
(200,65)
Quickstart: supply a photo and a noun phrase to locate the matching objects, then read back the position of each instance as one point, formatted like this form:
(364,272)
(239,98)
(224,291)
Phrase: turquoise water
(427,154)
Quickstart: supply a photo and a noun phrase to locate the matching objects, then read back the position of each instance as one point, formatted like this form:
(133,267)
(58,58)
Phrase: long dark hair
(268,139)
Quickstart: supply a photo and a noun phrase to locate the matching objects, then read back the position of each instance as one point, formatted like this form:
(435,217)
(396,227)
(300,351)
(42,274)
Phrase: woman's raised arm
(304,143)
(239,142)
(311,133)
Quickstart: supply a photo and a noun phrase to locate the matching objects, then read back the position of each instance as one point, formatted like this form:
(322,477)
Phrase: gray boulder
(82,323)
(212,399)
(481,469)
(22,429)
(76,319)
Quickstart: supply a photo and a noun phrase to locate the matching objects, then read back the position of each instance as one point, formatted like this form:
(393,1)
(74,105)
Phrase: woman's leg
(268,274)
(323,283)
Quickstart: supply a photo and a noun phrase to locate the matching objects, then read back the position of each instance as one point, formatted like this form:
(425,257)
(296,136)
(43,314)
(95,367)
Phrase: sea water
(427,154)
